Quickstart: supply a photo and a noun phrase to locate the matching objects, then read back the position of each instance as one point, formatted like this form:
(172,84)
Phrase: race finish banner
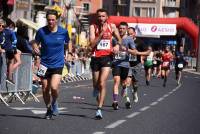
(143,29)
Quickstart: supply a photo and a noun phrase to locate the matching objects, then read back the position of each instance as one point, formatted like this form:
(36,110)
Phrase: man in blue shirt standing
(52,40)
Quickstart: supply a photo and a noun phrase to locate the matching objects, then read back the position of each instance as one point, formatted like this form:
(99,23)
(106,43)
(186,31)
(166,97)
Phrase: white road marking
(44,111)
(153,103)
(115,124)
(174,90)
(144,108)
(133,115)
(99,133)
(166,95)
(160,99)
(35,110)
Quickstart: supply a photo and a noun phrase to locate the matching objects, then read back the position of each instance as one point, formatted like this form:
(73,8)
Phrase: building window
(145,12)
(151,12)
(144,0)
(137,11)
(86,7)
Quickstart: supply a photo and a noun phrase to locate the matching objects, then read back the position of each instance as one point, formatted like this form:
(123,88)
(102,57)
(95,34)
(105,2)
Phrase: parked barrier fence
(78,71)
(22,77)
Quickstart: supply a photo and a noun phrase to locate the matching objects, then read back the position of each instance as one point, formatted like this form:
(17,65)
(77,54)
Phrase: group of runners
(111,48)
(117,49)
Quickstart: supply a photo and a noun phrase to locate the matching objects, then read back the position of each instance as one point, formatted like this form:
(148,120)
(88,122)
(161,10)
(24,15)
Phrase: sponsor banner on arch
(154,29)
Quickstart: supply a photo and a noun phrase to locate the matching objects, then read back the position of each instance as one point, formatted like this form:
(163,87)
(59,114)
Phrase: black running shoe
(147,83)
(115,105)
(164,84)
(48,114)
(128,105)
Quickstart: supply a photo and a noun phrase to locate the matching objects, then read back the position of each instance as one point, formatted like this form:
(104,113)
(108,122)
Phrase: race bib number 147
(103,45)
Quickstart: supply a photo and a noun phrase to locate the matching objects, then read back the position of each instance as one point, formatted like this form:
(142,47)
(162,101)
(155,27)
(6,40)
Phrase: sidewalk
(190,70)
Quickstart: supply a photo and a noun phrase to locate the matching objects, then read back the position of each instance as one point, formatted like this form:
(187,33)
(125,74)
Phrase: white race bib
(149,58)
(132,57)
(154,62)
(180,65)
(120,56)
(42,70)
(103,45)
(166,63)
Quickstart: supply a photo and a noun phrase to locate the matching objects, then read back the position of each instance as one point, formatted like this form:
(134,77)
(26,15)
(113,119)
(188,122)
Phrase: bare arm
(68,57)
(116,33)
(35,47)
(136,52)
(94,40)
(117,36)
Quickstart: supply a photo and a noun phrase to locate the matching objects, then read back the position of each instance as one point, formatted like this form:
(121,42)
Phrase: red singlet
(104,47)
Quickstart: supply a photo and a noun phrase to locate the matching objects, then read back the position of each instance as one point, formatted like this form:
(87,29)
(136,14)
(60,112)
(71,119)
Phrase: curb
(193,71)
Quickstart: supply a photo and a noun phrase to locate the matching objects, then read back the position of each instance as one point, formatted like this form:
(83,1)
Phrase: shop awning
(30,23)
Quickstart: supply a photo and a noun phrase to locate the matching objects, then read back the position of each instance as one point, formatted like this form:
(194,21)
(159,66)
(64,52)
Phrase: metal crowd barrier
(78,72)
(22,78)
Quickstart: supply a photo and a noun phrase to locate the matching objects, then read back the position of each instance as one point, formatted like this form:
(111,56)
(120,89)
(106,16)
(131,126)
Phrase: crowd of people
(111,48)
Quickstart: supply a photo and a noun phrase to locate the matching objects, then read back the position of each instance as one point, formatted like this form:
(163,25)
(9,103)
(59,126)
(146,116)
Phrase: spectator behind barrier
(23,43)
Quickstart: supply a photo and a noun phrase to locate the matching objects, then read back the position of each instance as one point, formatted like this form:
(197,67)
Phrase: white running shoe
(135,97)
(98,114)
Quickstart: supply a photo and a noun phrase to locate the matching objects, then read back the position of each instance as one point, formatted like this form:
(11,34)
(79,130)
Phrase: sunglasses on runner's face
(1,25)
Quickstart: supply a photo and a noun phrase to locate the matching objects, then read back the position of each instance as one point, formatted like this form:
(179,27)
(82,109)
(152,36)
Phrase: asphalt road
(170,110)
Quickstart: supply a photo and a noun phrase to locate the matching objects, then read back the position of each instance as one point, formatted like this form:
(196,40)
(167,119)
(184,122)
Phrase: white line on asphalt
(115,124)
(133,115)
(119,122)
(35,110)
(153,103)
(144,108)
(44,111)
(160,99)
(99,133)
(166,95)
(174,89)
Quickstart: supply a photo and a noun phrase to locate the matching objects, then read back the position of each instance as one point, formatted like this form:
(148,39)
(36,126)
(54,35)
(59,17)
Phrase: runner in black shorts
(53,40)
(179,63)
(101,33)
(135,63)
(121,66)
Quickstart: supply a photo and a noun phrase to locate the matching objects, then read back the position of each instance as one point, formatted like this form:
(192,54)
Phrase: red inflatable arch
(183,23)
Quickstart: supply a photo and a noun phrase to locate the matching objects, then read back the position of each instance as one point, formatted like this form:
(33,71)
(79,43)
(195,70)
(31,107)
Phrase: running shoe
(164,84)
(128,103)
(48,114)
(178,82)
(115,105)
(147,83)
(135,97)
(98,114)
(55,110)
